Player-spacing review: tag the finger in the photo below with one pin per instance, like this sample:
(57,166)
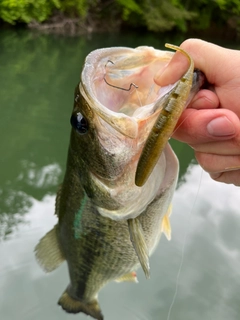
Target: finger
(215,163)
(229,147)
(204,99)
(173,71)
(205,54)
(200,126)
(230,177)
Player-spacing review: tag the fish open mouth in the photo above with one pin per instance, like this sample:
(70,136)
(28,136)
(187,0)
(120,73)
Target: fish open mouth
(131,91)
(123,88)
(119,85)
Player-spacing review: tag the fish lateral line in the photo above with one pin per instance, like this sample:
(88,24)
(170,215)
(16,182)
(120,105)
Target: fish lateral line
(78,217)
(165,123)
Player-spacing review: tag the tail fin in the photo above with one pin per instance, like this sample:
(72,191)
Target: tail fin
(71,305)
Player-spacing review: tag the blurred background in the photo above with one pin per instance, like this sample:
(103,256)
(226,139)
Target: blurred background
(43,45)
(80,16)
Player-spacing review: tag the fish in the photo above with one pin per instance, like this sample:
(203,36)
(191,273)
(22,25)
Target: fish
(111,210)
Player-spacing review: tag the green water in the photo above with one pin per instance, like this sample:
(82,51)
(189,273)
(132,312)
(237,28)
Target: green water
(38,74)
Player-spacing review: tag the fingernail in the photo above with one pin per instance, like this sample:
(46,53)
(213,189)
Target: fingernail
(203,101)
(215,175)
(221,127)
(158,78)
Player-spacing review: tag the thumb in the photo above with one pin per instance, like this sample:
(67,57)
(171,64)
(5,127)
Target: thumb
(206,125)
(208,57)
(214,61)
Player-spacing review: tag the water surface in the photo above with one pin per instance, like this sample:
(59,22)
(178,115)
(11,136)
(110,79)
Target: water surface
(38,76)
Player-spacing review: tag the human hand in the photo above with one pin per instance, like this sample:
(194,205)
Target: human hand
(211,123)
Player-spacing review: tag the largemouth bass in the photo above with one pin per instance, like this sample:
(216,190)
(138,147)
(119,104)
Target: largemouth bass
(108,225)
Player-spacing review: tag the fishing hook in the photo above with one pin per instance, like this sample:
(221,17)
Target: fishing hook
(111,85)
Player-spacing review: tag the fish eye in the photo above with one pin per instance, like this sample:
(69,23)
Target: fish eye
(79,123)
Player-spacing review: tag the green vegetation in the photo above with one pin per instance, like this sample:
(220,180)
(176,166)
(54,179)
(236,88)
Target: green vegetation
(153,15)
(13,11)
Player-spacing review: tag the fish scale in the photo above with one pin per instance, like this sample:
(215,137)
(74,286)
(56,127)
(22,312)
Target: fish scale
(107,225)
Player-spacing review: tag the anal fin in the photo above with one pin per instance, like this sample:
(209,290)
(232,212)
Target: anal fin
(129,277)
(48,252)
(71,305)
(166,226)
(139,244)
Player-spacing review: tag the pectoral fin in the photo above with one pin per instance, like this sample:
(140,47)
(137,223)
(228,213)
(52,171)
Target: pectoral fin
(166,226)
(48,252)
(139,244)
